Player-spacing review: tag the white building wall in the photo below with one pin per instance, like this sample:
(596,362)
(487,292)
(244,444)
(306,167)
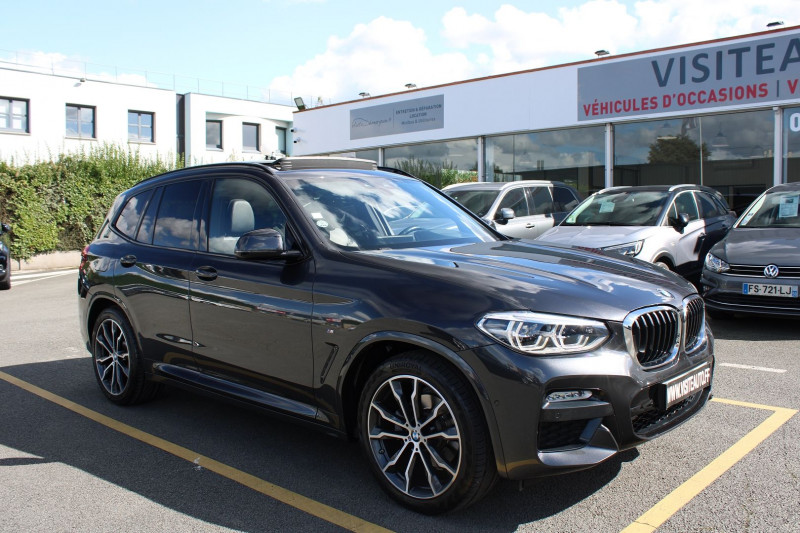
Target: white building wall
(233,113)
(48,97)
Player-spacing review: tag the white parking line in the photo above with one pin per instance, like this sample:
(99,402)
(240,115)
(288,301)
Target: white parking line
(759,368)
(21,279)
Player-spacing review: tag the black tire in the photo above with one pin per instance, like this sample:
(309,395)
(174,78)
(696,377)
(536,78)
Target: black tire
(117,361)
(663,264)
(417,415)
(6,283)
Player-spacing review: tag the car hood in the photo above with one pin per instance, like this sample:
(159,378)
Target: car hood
(760,246)
(596,236)
(519,275)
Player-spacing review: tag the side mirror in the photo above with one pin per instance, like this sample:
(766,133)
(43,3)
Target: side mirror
(506,214)
(4,228)
(263,244)
(681,222)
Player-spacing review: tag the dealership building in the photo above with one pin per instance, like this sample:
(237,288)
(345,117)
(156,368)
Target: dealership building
(723,113)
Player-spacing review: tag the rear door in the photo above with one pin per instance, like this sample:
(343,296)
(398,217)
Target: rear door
(252,318)
(152,273)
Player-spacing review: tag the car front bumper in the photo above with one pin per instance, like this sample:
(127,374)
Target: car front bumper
(627,406)
(724,292)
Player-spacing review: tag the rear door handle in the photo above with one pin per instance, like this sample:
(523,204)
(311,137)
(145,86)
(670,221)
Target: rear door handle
(206,273)
(128,260)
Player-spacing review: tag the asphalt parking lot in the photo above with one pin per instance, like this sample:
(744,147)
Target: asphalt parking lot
(71,461)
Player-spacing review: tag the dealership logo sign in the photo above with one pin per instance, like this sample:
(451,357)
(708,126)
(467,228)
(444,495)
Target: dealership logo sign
(420,114)
(763,70)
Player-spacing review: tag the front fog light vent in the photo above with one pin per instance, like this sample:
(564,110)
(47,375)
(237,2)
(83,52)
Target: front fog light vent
(568,396)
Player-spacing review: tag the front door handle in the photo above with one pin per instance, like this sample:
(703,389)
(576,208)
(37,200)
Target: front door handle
(128,260)
(530,225)
(206,273)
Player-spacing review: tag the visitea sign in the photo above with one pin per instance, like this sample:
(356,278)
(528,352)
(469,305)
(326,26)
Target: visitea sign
(763,70)
(400,117)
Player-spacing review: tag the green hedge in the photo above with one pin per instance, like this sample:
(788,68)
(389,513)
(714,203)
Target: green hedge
(59,205)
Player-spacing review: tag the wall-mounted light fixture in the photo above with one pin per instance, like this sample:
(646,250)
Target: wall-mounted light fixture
(299,103)
(297,140)
(363,94)
(601,53)
(411,85)
(775,24)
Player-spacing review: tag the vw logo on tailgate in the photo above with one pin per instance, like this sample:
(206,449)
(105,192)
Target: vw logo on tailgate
(771,271)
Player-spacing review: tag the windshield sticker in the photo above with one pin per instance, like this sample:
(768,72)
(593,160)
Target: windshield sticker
(606,207)
(788,207)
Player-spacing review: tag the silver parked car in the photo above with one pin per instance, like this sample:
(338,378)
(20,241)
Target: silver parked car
(672,226)
(523,209)
(756,268)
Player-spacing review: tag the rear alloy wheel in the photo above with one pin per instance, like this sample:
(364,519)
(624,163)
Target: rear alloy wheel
(117,362)
(422,432)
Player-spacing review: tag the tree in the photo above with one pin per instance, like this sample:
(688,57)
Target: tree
(679,149)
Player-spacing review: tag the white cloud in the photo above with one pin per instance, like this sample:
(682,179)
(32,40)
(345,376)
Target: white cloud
(382,56)
(379,57)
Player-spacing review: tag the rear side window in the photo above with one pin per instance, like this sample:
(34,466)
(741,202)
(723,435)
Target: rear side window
(128,220)
(174,227)
(541,200)
(563,199)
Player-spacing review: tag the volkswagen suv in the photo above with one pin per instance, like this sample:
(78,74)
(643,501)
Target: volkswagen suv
(369,304)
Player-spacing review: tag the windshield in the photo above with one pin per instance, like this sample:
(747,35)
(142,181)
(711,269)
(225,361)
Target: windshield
(477,201)
(619,208)
(777,209)
(377,212)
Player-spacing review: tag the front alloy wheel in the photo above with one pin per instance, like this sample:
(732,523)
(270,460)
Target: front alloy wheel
(414,437)
(424,435)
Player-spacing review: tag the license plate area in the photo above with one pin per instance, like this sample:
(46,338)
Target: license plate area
(679,388)
(769,289)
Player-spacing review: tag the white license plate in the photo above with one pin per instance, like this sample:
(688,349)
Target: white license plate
(766,289)
(679,388)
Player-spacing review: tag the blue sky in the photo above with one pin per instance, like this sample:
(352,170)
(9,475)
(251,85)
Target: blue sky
(330,50)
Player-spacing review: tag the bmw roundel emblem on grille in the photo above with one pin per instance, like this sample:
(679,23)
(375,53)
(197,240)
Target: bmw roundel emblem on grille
(771,271)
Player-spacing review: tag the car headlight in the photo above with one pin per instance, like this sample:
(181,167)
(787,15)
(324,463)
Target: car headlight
(542,334)
(715,264)
(629,248)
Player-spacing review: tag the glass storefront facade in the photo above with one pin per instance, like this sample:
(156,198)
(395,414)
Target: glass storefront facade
(733,153)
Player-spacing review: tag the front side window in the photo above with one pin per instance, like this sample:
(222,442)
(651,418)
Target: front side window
(174,227)
(140,126)
(239,206)
(251,137)
(13,115)
(81,121)
(214,134)
(515,199)
(684,205)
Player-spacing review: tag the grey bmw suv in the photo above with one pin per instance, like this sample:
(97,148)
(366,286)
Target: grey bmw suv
(370,305)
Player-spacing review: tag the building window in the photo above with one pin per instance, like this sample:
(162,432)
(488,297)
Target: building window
(575,156)
(140,126)
(438,163)
(730,152)
(13,115)
(251,137)
(281,133)
(214,134)
(791,144)
(80,121)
